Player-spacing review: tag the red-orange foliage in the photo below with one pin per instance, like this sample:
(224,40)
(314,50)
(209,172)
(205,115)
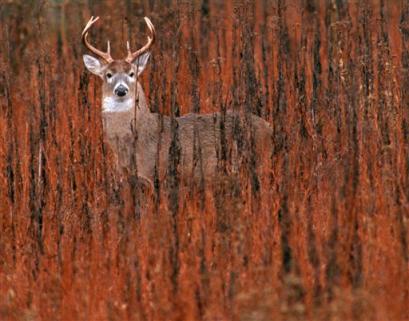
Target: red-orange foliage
(322,236)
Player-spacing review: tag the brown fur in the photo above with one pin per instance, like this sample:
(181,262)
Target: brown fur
(141,140)
(147,137)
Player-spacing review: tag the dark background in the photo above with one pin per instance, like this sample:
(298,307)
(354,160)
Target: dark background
(317,231)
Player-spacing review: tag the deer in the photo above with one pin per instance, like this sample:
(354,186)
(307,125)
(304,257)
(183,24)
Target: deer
(141,140)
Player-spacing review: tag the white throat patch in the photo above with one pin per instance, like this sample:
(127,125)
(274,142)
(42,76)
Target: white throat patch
(112,105)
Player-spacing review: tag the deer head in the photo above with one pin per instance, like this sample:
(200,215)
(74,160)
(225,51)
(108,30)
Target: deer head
(119,77)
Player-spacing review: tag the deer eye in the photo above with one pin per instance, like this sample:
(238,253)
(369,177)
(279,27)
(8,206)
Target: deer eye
(109,75)
(131,74)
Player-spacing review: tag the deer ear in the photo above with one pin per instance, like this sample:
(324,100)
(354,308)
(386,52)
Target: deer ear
(141,62)
(93,64)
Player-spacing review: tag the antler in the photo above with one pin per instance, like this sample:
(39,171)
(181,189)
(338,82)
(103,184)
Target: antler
(151,39)
(104,55)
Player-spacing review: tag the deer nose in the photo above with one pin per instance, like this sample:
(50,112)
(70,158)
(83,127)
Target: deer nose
(121,91)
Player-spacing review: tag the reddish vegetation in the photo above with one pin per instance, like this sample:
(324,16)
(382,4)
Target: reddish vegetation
(318,231)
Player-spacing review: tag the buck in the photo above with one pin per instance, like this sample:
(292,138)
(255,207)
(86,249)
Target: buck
(140,139)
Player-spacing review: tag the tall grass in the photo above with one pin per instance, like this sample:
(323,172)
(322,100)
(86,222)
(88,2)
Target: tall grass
(317,231)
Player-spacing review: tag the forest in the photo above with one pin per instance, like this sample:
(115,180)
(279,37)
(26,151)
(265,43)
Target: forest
(317,230)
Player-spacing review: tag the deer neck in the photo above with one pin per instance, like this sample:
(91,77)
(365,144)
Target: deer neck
(130,129)
(120,117)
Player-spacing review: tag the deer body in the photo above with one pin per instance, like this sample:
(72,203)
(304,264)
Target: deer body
(141,140)
(146,137)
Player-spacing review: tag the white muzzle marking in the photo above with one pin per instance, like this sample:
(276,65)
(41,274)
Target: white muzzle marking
(121,84)
(112,104)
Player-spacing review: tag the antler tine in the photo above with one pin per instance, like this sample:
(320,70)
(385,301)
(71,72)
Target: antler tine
(104,55)
(128,48)
(151,39)
(108,48)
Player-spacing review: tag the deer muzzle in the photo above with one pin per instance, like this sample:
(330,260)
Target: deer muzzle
(121,90)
